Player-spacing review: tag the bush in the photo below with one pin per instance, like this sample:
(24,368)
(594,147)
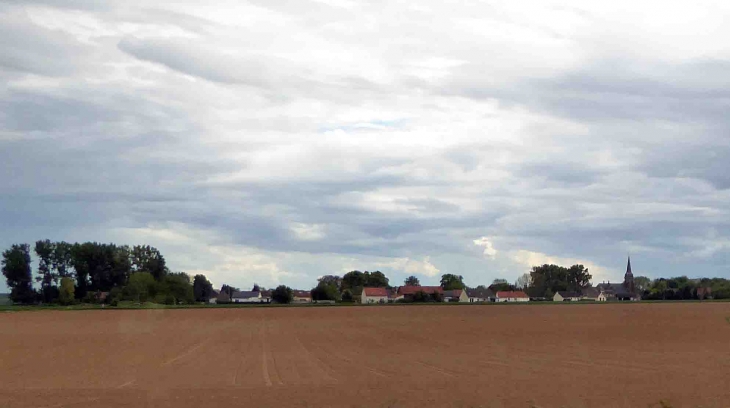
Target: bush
(282,294)
(347,296)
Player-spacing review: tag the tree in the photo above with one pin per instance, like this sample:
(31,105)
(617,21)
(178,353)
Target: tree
(412,281)
(325,291)
(175,288)
(353,279)
(450,281)
(229,290)
(331,280)
(523,282)
(142,286)
(44,250)
(282,294)
(347,296)
(66,293)
(376,279)
(202,288)
(17,271)
(500,284)
(148,259)
(642,283)
(578,278)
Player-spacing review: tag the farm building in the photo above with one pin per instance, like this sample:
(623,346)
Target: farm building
(562,296)
(213,299)
(511,296)
(246,296)
(408,291)
(456,295)
(593,294)
(374,295)
(480,295)
(301,296)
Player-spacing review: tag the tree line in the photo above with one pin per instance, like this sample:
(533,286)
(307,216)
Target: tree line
(82,272)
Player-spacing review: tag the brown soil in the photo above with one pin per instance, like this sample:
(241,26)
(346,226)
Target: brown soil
(608,355)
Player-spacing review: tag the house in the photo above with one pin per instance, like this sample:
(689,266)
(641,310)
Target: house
(265,296)
(301,296)
(246,296)
(394,296)
(563,296)
(223,297)
(511,296)
(704,293)
(408,291)
(591,293)
(213,299)
(456,295)
(374,295)
(621,291)
(480,295)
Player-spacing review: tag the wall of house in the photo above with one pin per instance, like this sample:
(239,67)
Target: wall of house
(557,298)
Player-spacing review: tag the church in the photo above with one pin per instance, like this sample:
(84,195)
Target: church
(621,291)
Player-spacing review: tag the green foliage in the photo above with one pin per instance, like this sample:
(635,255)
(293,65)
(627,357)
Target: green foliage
(325,291)
(356,280)
(141,287)
(547,279)
(99,267)
(500,284)
(66,292)
(176,286)
(334,280)
(451,282)
(347,296)
(17,270)
(145,258)
(412,281)
(202,288)
(282,294)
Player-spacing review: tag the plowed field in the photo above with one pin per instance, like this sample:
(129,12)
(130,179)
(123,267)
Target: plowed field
(608,355)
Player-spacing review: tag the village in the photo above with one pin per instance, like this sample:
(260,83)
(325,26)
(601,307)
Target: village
(414,293)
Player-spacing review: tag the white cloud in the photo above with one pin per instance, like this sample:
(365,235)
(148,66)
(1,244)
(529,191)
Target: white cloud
(489,250)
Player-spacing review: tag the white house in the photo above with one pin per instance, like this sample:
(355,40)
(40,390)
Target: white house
(374,295)
(245,296)
(456,295)
(561,296)
(511,296)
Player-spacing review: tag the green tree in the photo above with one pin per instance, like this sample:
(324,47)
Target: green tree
(202,288)
(412,281)
(44,250)
(282,294)
(578,278)
(66,292)
(353,279)
(148,259)
(18,274)
(376,279)
(142,286)
(175,288)
(325,291)
(450,281)
(642,283)
(347,296)
(331,280)
(500,284)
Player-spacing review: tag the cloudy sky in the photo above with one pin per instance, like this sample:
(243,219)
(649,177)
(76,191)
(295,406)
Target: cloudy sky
(276,141)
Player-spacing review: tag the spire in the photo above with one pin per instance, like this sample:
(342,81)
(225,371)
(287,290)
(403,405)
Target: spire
(628,267)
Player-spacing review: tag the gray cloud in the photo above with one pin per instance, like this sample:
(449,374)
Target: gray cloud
(306,138)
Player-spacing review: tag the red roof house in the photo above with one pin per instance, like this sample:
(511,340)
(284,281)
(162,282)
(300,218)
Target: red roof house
(412,290)
(374,295)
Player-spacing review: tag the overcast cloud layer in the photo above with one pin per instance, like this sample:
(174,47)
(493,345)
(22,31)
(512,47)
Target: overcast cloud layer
(276,141)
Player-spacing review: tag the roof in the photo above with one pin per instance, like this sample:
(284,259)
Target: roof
(613,288)
(301,293)
(565,294)
(511,294)
(412,290)
(245,294)
(223,297)
(591,292)
(453,293)
(375,292)
(480,293)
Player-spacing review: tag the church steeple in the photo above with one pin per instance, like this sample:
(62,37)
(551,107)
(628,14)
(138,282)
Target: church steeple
(629,278)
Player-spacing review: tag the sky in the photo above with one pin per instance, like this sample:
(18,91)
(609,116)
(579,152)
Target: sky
(276,141)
